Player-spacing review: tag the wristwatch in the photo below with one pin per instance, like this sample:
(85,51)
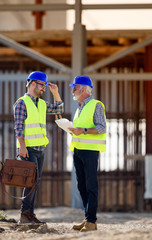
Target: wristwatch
(85,131)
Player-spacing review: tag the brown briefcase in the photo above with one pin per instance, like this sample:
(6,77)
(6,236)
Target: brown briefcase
(19,173)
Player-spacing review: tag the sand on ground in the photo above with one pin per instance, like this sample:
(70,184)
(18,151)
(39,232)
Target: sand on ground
(59,222)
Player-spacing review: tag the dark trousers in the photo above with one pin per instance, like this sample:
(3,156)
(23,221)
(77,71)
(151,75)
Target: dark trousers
(38,158)
(86,164)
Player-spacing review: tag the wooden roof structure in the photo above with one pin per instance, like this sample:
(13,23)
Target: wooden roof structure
(73,52)
(58,45)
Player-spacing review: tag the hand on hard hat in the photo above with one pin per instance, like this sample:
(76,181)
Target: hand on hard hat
(53,88)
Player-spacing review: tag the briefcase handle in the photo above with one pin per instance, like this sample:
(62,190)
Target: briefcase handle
(21,198)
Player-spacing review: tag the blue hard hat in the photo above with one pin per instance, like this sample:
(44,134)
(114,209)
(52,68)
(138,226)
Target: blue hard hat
(38,76)
(82,80)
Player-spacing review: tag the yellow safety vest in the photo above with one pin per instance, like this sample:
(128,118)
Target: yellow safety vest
(35,123)
(96,142)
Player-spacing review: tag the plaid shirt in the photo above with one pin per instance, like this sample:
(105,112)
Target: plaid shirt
(20,114)
(98,118)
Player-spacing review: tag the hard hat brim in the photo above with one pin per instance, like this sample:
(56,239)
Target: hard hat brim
(71,85)
(30,80)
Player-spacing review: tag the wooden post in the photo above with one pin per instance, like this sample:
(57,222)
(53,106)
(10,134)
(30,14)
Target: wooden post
(38,16)
(148,98)
(148,101)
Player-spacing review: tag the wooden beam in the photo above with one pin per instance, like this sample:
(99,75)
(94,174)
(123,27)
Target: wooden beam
(116,56)
(148,100)
(23,36)
(67,51)
(124,41)
(48,51)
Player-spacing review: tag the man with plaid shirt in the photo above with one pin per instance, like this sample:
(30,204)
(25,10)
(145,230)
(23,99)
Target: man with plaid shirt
(30,127)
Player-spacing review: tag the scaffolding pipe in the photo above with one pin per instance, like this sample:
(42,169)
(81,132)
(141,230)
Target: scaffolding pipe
(142,76)
(62,7)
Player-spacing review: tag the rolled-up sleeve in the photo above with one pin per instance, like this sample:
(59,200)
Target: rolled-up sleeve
(55,108)
(99,119)
(19,118)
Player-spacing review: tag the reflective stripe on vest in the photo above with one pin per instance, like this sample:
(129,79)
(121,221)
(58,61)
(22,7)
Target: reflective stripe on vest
(34,125)
(33,136)
(95,141)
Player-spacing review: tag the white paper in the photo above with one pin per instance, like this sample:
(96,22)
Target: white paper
(64,124)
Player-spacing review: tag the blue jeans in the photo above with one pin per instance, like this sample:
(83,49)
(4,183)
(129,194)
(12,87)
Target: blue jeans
(38,158)
(86,164)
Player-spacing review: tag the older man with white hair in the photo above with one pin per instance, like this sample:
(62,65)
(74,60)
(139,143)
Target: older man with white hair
(88,140)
